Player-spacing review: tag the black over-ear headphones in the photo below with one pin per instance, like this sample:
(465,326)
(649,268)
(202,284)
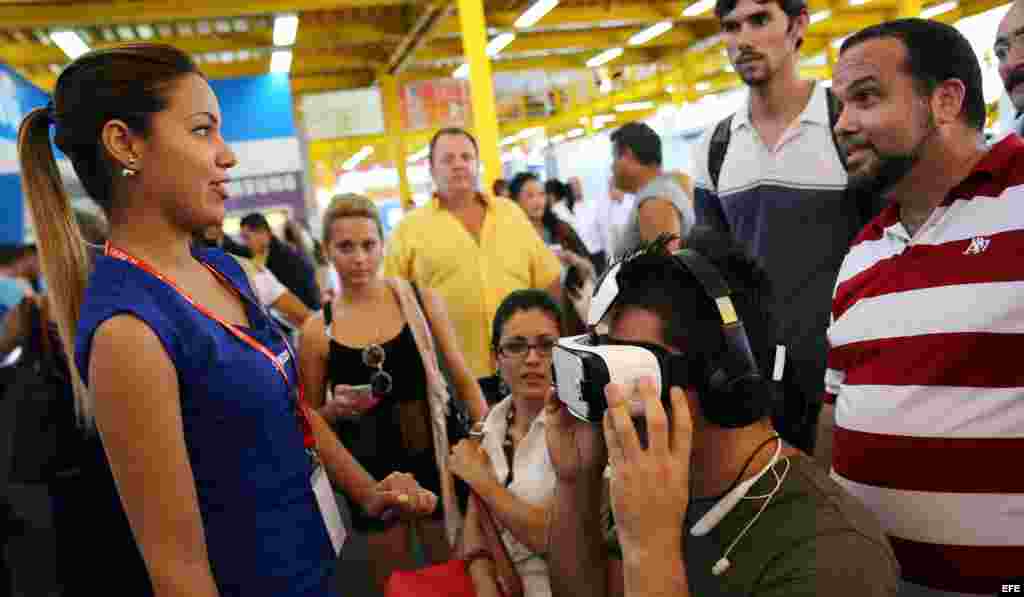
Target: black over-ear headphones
(733,392)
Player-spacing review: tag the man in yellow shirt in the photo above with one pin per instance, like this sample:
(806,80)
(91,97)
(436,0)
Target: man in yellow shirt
(471,248)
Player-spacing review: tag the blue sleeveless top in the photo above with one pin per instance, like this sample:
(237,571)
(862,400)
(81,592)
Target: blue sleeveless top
(265,535)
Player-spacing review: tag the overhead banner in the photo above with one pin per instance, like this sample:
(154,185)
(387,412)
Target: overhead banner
(343,114)
(436,104)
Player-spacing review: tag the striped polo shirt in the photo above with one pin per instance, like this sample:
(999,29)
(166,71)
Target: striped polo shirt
(926,370)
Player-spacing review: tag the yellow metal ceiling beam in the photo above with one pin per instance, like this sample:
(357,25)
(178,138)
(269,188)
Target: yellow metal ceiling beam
(310,37)
(321,83)
(548,63)
(572,62)
(597,39)
(58,14)
(847,22)
(342,148)
(634,12)
(311,61)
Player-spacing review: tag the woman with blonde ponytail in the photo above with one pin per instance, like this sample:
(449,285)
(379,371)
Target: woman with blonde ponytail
(212,462)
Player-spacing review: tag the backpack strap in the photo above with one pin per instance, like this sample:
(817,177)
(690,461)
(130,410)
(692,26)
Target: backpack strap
(716,151)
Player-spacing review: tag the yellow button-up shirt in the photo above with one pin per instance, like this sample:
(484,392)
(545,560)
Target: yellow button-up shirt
(432,248)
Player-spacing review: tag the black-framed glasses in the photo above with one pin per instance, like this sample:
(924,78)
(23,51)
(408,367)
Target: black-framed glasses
(519,347)
(381,382)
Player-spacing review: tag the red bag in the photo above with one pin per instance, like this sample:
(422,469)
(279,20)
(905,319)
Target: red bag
(450,579)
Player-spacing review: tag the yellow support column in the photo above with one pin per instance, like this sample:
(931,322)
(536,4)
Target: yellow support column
(390,88)
(906,9)
(485,113)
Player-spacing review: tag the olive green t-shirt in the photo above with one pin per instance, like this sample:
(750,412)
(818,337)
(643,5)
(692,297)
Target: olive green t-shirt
(813,539)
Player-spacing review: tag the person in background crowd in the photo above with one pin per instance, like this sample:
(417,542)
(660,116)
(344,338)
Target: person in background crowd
(267,287)
(1008,50)
(500,188)
(81,491)
(706,498)
(14,282)
(324,270)
(510,469)
(396,425)
(661,205)
(561,216)
(287,266)
(299,241)
(471,248)
(561,199)
(925,338)
(526,190)
(780,189)
(214,236)
(189,385)
(613,217)
(586,224)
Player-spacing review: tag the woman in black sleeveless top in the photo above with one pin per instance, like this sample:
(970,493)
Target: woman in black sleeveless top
(362,338)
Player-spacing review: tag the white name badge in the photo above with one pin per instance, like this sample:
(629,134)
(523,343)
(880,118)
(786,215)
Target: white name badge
(329,509)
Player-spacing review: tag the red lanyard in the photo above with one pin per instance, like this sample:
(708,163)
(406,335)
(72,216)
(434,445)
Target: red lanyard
(300,406)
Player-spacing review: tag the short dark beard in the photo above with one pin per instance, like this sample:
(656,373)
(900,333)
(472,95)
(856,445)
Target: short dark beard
(892,168)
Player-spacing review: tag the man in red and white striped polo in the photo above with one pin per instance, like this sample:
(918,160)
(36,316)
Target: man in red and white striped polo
(926,358)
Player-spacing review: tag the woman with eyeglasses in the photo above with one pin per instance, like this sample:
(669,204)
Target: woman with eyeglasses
(370,364)
(509,468)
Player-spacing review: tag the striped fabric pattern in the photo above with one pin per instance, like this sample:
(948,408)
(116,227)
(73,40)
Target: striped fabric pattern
(926,370)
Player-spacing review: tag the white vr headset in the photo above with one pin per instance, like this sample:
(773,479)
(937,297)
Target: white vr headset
(584,365)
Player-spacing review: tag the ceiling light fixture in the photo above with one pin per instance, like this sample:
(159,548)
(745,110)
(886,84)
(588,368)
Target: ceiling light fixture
(70,43)
(634,106)
(650,33)
(286,27)
(604,57)
(499,43)
(535,13)
(358,158)
(281,61)
(934,11)
(419,155)
(698,8)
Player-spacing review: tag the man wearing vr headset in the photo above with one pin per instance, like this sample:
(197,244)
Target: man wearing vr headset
(706,499)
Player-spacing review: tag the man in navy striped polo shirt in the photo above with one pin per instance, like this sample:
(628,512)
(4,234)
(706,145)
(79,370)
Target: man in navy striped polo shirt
(779,187)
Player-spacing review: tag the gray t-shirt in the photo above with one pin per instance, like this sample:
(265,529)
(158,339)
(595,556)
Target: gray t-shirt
(664,187)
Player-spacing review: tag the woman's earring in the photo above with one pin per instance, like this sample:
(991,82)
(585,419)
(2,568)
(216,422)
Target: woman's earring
(130,169)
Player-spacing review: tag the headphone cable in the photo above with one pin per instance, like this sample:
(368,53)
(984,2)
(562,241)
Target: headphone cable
(746,465)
